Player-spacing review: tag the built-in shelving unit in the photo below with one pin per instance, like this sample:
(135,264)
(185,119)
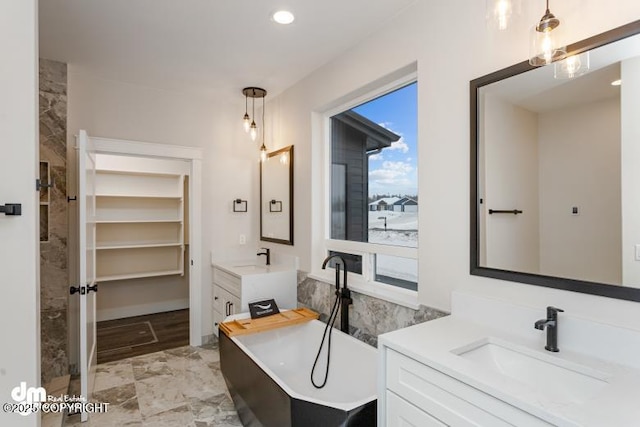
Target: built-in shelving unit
(139,225)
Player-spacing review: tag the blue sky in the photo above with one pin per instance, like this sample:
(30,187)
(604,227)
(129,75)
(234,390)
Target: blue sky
(395,169)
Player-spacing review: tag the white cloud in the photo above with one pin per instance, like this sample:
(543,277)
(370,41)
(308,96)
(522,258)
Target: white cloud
(399,145)
(377,156)
(392,173)
(398,166)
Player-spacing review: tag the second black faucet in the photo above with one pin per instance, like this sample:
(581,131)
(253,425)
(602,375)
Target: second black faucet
(267,254)
(551,323)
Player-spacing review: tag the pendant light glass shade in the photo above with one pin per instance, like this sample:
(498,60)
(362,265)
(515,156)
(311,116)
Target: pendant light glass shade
(500,13)
(253,131)
(246,122)
(263,153)
(572,66)
(546,38)
(284,158)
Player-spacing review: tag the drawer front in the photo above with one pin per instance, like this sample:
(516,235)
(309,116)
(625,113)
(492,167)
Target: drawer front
(227,281)
(449,400)
(401,413)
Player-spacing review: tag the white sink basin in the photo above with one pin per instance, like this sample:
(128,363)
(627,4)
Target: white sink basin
(555,378)
(250,268)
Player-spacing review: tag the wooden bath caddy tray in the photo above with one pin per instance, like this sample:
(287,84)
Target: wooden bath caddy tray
(252,326)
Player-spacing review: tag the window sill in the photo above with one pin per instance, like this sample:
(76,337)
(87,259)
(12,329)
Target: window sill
(401,297)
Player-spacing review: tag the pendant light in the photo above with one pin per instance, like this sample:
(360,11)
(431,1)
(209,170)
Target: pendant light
(500,13)
(249,123)
(545,46)
(572,66)
(253,129)
(263,148)
(246,120)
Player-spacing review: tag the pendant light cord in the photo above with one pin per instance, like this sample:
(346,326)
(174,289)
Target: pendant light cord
(253,106)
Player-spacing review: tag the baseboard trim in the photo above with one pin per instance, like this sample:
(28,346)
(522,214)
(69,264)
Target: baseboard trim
(142,309)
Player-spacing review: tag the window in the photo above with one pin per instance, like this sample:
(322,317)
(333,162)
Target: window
(374,188)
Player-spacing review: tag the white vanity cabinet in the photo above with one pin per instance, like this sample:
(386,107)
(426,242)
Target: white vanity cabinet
(486,365)
(235,285)
(418,395)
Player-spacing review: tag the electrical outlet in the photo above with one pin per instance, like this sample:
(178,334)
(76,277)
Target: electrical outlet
(243,239)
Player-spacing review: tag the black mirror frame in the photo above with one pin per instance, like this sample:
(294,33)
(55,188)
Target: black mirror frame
(600,289)
(289,241)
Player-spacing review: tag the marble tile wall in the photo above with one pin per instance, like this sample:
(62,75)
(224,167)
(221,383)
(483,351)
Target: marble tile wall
(368,316)
(54,280)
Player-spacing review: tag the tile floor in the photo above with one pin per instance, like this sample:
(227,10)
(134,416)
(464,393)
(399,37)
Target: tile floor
(181,387)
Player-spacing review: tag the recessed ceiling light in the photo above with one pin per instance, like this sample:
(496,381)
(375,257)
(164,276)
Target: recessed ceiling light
(616,82)
(283,17)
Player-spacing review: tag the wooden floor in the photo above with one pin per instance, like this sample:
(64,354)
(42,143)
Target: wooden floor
(122,338)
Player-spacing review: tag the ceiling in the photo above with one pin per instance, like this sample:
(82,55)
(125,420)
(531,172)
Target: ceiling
(210,47)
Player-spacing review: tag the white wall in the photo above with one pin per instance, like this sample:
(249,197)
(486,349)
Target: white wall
(230,163)
(19,251)
(511,182)
(630,100)
(452,46)
(580,166)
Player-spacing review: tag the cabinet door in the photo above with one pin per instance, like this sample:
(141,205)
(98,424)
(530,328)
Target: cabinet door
(217,319)
(217,299)
(401,413)
(230,304)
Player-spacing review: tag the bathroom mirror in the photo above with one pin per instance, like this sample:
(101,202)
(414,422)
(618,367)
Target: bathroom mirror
(276,197)
(554,167)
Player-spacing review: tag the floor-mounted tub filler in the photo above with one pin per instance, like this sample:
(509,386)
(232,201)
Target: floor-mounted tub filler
(268,376)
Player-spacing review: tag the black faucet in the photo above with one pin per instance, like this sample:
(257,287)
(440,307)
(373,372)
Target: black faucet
(345,294)
(266,253)
(551,323)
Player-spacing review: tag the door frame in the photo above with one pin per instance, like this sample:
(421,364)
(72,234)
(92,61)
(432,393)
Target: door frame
(192,155)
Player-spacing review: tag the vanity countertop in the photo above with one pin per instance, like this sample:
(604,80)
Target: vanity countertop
(249,267)
(438,344)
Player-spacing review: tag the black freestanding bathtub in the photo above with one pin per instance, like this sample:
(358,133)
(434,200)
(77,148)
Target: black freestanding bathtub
(268,376)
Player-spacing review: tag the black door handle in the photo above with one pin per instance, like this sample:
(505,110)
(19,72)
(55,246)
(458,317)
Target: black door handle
(12,209)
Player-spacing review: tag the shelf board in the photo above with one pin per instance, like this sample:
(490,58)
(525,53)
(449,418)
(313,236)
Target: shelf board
(138,246)
(139,275)
(139,196)
(138,173)
(136,221)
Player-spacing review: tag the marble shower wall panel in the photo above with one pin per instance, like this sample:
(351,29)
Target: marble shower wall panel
(54,282)
(368,316)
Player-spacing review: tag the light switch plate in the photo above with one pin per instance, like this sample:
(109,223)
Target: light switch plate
(637,252)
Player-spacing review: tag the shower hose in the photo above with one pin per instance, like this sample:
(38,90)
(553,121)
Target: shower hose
(327,330)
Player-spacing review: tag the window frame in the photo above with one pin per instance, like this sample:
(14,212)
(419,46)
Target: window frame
(364,283)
